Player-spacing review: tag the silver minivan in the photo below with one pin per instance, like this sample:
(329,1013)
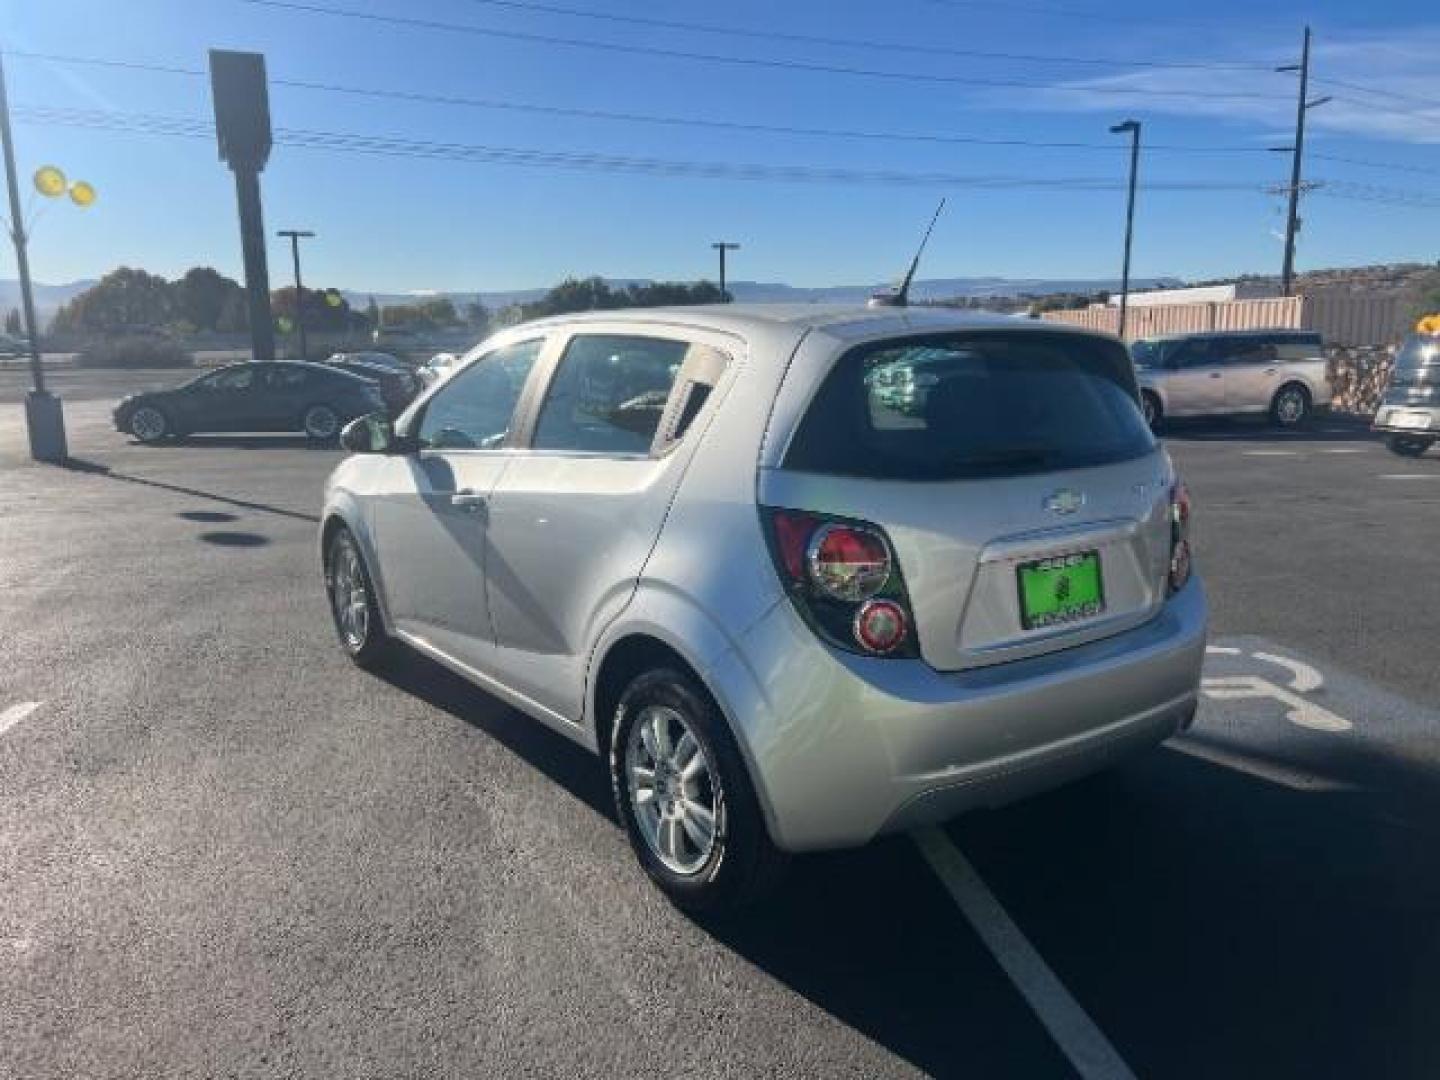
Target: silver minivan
(1275,373)
(800,576)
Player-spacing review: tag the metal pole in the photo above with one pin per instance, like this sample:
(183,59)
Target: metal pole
(1292,224)
(257,275)
(1133,127)
(295,236)
(17,234)
(722,246)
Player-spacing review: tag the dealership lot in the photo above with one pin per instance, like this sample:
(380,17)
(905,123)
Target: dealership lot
(223,849)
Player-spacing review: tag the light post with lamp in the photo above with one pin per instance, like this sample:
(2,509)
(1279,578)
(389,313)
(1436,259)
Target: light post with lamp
(44,415)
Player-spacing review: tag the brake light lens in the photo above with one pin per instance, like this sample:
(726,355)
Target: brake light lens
(847,562)
(843,578)
(1180,561)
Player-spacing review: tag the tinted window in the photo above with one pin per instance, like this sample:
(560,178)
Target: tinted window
(979,405)
(1304,347)
(1191,353)
(608,394)
(1418,351)
(475,408)
(235,378)
(285,378)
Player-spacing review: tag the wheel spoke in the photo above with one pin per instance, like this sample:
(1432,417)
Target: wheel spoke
(670,838)
(699,823)
(686,749)
(647,738)
(660,733)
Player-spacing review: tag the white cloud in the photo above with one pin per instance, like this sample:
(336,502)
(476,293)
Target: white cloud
(1385,73)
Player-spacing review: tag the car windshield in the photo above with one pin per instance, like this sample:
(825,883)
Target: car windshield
(1419,350)
(961,405)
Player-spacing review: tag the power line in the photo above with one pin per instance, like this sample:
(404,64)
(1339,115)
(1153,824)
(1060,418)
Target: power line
(1391,166)
(391,146)
(1394,95)
(721,58)
(650,118)
(860,43)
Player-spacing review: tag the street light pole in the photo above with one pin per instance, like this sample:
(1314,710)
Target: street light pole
(295,236)
(44,415)
(1297,154)
(1133,128)
(722,247)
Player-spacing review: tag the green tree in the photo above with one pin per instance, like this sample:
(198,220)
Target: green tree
(12,322)
(321,310)
(201,295)
(477,317)
(124,299)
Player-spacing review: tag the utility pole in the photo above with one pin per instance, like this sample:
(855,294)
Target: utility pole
(723,246)
(295,236)
(1132,127)
(44,417)
(1297,151)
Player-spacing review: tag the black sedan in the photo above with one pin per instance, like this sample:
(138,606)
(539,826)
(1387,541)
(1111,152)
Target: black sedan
(310,398)
(397,385)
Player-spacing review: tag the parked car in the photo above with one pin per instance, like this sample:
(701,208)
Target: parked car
(1279,373)
(695,542)
(13,346)
(310,398)
(398,385)
(378,359)
(1409,413)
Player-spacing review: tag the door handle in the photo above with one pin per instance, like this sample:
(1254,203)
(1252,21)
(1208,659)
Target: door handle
(1269,371)
(471,501)
(1215,374)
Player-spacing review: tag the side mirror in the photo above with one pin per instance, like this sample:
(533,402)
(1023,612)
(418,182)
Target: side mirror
(372,434)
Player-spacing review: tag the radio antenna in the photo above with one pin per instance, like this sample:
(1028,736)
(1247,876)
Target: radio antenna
(901,297)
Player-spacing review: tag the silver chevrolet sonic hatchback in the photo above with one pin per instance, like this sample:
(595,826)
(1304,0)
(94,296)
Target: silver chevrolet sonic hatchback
(802,576)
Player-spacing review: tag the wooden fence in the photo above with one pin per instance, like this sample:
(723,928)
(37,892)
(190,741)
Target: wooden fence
(1342,318)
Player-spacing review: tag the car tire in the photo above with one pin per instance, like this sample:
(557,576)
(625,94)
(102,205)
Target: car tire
(1290,407)
(696,773)
(149,424)
(354,607)
(1411,446)
(1151,409)
(321,423)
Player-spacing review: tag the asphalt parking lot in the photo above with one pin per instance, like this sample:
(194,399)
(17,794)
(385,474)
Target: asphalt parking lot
(226,851)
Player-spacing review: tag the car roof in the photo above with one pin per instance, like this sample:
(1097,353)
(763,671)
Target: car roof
(840,320)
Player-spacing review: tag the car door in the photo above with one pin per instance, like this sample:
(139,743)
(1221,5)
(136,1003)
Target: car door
(283,394)
(1195,380)
(1251,372)
(575,517)
(224,401)
(430,517)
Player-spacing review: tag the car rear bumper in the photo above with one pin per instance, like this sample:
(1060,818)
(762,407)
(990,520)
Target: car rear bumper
(844,748)
(1385,415)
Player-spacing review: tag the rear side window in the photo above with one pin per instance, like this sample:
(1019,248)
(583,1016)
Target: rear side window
(285,378)
(608,394)
(973,405)
(1300,347)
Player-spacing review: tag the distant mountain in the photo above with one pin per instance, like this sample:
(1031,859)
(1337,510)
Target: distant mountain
(48,298)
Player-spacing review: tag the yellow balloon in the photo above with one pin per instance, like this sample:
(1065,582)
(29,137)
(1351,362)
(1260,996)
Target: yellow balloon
(49,181)
(82,193)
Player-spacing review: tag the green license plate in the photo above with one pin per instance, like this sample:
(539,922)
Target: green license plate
(1060,589)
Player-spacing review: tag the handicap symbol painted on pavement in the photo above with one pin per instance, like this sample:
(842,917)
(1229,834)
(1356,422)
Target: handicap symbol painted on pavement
(1299,679)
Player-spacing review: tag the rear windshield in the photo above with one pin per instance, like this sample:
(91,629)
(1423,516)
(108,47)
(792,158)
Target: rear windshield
(962,405)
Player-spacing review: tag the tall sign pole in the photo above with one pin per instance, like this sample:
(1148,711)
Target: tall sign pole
(1132,127)
(722,247)
(242,129)
(44,416)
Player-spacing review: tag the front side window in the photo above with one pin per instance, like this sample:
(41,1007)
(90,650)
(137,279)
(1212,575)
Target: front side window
(958,406)
(1195,353)
(475,409)
(236,378)
(608,394)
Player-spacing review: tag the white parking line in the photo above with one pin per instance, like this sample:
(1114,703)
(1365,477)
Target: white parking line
(1295,779)
(15,713)
(1272,453)
(1081,1041)
(1343,450)
(1409,476)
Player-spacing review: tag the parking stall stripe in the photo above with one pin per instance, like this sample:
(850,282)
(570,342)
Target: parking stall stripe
(15,713)
(1072,1029)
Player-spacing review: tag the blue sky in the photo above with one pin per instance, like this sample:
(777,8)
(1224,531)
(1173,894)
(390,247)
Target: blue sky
(396,223)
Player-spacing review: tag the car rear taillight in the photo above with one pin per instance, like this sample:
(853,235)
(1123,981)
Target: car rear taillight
(843,578)
(1180,510)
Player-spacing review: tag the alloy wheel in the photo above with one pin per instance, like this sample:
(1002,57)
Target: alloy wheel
(147,424)
(321,422)
(672,789)
(1290,407)
(348,596)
